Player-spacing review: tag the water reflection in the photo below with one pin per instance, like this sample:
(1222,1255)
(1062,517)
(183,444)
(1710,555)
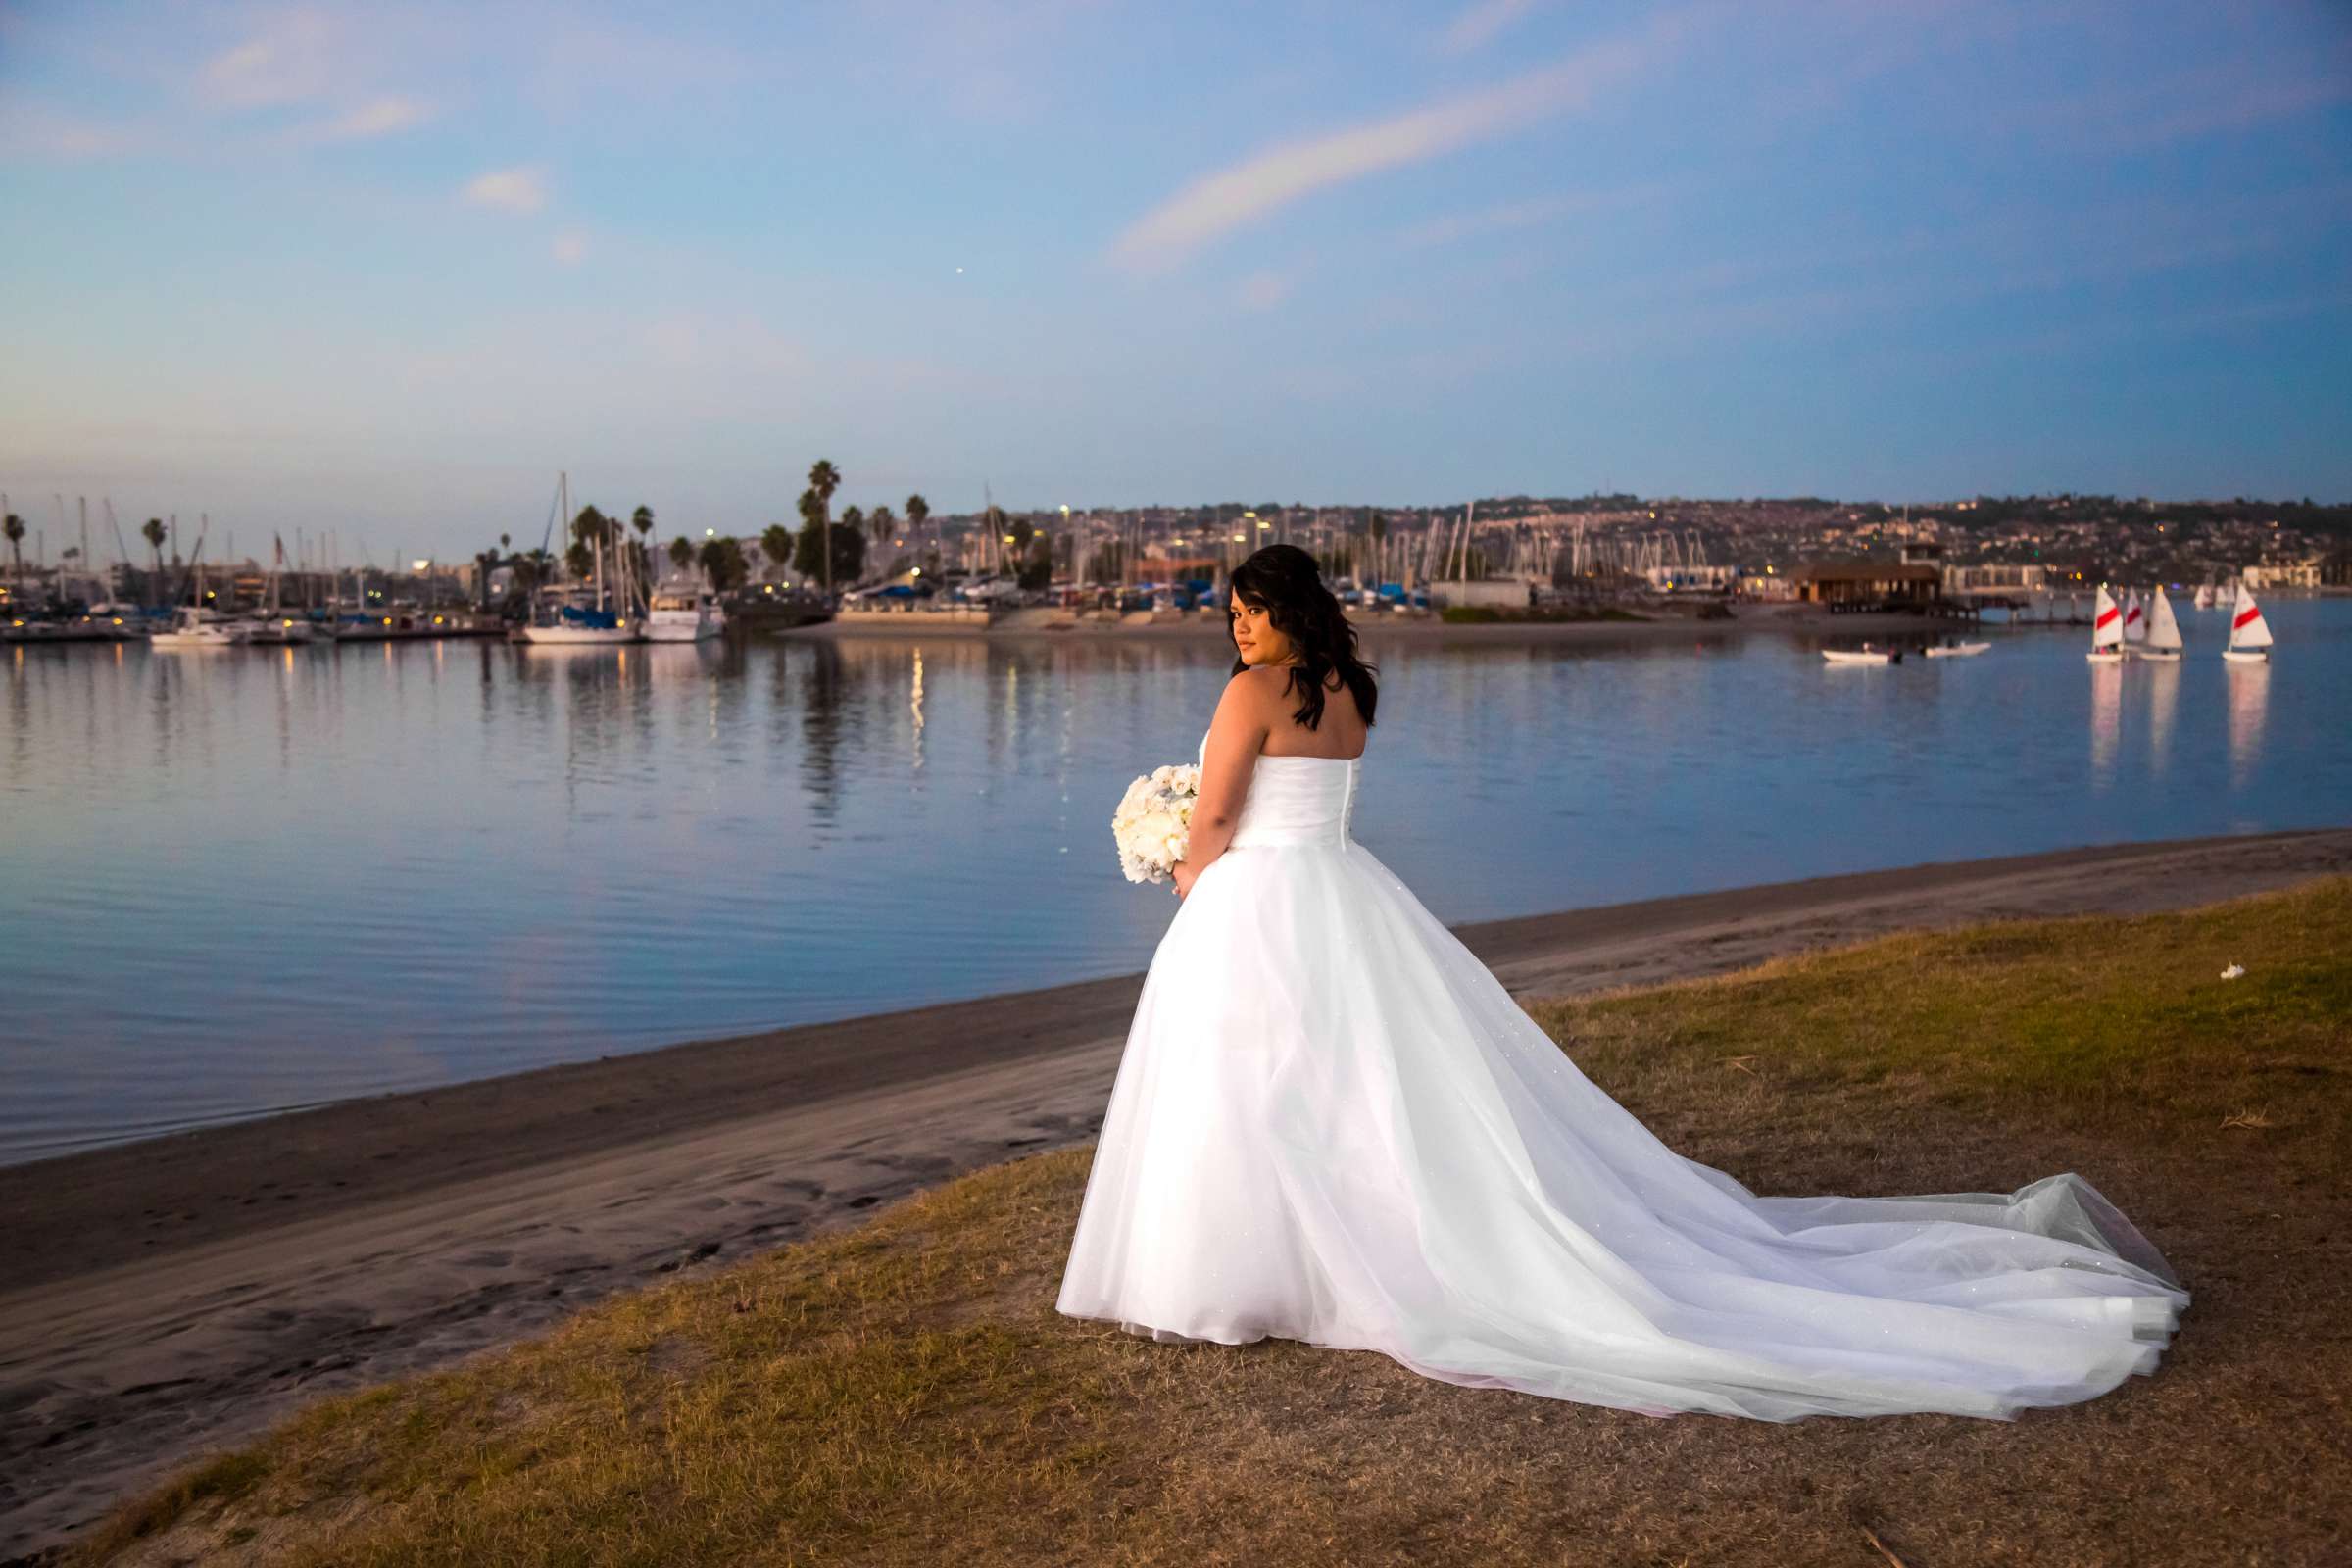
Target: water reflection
(2249,704)
(2164,694)
(418,862)
(2106,720)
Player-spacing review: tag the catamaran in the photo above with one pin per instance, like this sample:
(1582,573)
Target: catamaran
(2249,633)
(2164,631)
(2106,628)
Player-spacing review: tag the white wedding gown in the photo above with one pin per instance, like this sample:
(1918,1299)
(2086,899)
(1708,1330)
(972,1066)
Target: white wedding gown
(1333,1124)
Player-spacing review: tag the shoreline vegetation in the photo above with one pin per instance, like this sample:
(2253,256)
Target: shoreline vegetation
(904,1391)
(174,1295)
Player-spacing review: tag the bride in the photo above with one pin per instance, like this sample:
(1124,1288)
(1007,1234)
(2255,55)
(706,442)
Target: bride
(1333,1124)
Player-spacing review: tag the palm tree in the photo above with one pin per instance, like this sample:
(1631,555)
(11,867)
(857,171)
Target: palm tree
(883,526)
(14,527)
(682,551)
(809,552)
(723,562)
(824,481)
(918,512)
(775,540)
(154,533)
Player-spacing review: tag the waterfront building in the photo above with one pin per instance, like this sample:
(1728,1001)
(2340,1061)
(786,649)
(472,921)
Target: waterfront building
(1895,585)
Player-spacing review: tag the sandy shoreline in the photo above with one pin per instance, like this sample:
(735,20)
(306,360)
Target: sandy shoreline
(167,1296)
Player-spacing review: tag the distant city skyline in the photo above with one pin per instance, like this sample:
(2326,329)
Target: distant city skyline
(387,270)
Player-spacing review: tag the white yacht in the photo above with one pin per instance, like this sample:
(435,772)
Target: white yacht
(193,626)
(684,616)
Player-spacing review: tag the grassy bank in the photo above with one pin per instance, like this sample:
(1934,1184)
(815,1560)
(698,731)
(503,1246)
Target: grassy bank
(904,1392)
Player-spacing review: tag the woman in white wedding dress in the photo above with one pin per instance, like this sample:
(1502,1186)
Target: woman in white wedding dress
(1333,1124)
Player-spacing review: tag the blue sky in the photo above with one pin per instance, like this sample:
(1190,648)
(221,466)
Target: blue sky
(387,268)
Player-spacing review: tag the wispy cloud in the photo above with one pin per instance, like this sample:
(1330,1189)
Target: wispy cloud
(379,116)
(1476,27)
(512,190)
(1217,204)
(283,62)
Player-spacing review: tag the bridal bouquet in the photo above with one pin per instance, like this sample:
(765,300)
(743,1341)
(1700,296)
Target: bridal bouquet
(1153,822)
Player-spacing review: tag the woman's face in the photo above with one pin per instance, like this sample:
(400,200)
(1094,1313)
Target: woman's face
(1254,636)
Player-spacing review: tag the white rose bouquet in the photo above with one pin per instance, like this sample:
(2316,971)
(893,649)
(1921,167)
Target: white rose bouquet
(1153,826)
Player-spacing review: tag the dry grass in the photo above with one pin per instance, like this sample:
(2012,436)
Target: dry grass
(905,1393)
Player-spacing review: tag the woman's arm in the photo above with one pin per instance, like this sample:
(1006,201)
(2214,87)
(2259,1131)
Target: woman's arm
(1235,733)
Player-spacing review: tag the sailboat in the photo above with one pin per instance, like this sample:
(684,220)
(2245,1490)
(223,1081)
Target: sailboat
(2249,633)
(274,626)
(606,621)
(2106,628)
(2164,631)
(2205,596)
(2135,619)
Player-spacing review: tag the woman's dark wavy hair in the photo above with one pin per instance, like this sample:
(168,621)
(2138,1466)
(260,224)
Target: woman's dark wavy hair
(1284,580)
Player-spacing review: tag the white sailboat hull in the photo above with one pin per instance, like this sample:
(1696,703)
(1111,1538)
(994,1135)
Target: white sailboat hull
(210,637)
(581,636)
(2247,655)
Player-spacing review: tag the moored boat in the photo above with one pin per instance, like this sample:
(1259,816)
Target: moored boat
(193,626)
(684,616)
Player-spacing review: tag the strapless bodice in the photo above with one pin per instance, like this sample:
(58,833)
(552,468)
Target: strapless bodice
(1297,800)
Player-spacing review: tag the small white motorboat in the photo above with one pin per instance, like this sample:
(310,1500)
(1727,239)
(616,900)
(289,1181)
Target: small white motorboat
(1863,656)
(2249,633)
(1958,649)
(195,627)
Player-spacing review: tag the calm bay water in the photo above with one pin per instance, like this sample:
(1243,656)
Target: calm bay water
(237,881)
